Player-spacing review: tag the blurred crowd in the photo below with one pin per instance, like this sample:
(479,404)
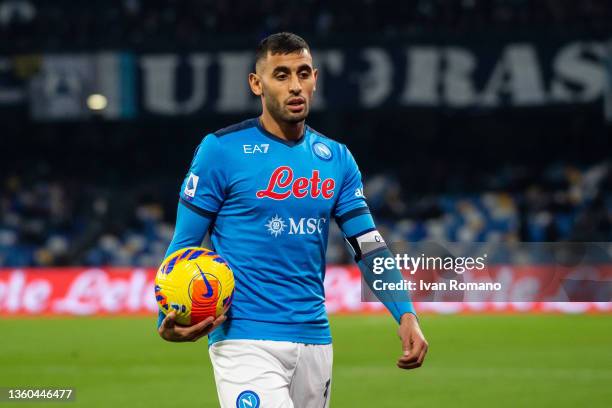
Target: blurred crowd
(46,223)
(51,219)
(36,24)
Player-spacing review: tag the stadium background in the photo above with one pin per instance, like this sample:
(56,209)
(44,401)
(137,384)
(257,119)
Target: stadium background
(471,120)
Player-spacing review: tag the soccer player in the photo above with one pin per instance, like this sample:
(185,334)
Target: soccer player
(267,189)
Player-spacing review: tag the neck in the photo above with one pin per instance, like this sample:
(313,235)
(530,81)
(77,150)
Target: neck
(284,130)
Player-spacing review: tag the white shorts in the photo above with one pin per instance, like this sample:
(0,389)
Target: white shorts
(272,374)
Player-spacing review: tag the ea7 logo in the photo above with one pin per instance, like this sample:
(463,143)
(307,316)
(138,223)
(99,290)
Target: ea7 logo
(256,148)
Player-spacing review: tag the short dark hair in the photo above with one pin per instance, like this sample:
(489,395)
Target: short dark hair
(280,43)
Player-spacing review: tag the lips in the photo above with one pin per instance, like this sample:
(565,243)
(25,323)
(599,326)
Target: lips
(296,104)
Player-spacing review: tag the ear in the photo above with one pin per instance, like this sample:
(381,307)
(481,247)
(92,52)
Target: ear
(255,84)
(315,74)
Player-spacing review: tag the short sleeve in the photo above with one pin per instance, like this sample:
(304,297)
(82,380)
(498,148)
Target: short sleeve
(203,189)
(351,200)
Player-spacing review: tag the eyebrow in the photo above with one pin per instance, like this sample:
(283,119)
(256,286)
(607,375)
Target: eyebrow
(286,70)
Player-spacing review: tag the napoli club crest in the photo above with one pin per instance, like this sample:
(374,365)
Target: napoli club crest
(247,399)
(322,151)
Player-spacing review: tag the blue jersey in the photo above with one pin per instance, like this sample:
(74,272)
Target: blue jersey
(268,204)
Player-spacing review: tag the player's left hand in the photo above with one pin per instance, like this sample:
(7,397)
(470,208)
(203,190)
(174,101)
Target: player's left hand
(413,342)
(169,330)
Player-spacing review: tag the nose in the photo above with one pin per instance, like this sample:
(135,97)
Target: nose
(294,86)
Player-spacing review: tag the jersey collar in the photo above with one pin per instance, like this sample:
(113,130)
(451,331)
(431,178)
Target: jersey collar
(290,143)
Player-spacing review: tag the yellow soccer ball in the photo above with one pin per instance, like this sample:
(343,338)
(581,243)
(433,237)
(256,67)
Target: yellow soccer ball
(196,283)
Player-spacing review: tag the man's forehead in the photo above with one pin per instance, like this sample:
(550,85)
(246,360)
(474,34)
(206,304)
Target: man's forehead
(293,59)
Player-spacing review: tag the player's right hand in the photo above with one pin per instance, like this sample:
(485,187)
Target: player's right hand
(170,331)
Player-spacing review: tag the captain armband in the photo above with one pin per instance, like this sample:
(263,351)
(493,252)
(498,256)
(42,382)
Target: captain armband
(366,244)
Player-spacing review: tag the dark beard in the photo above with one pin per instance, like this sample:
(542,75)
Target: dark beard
(279,114)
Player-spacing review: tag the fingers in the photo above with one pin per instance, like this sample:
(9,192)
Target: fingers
(415,356)
(411,350)
(210,327)
(202,325)
(218,322)
(167,323)
(423,354)
(171,331)
(196,331)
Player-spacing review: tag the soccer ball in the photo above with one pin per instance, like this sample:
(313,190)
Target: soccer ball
(196,283)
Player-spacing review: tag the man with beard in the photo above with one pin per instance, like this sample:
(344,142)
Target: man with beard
(266,189)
